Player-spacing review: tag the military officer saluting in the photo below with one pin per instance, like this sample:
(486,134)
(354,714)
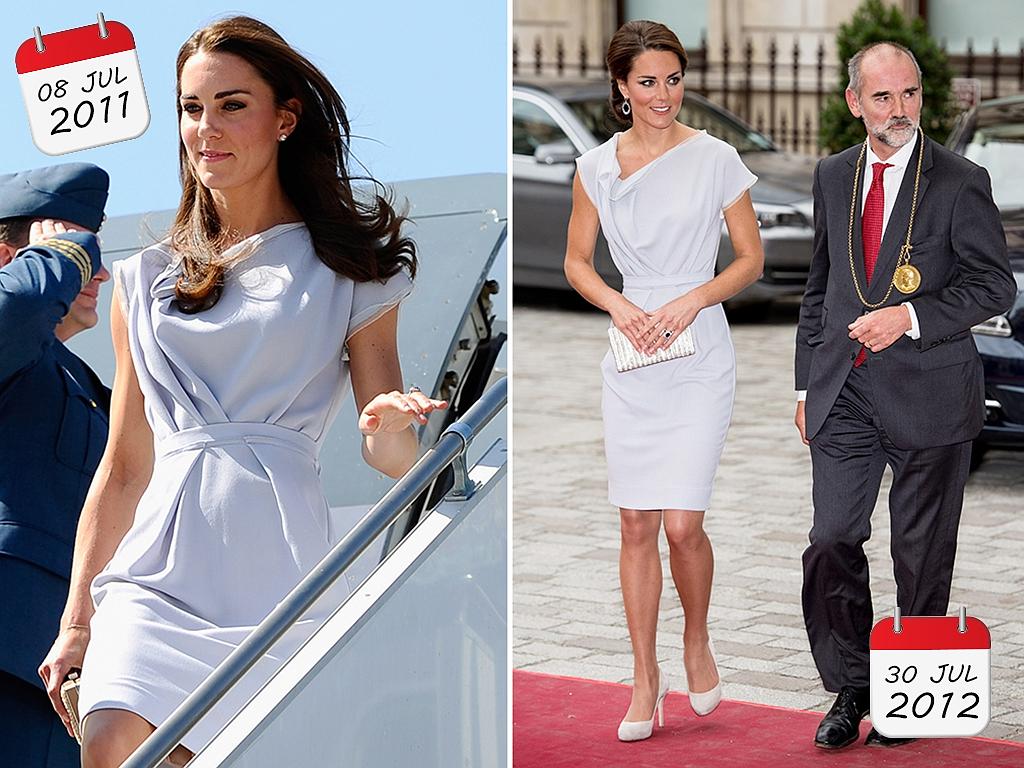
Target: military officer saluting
(53,421)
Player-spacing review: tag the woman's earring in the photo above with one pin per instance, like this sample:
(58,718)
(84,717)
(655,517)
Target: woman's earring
(282,137)
(625,107)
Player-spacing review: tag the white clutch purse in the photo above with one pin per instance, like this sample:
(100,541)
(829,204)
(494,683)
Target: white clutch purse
(627,357)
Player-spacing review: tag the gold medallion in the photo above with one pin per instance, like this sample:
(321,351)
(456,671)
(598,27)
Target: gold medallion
(907,279)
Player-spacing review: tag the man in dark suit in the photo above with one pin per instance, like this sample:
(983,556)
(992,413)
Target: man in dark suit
(885,358)
(53,416)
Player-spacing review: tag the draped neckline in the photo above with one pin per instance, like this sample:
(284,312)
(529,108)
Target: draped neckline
(651,163)
(162,287)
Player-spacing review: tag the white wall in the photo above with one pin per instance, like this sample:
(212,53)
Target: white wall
(981,20)
(687,18)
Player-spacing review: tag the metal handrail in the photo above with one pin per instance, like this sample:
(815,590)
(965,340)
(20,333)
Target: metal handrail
(451,445)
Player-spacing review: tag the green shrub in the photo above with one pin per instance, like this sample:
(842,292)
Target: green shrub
(871,22)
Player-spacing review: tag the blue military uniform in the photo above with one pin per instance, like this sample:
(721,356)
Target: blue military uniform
(53,417)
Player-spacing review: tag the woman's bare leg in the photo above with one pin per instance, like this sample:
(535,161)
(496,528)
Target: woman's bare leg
(109,736)
(640,575)
(693,567)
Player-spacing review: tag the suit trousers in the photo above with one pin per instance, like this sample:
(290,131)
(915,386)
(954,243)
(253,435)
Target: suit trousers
(848,457)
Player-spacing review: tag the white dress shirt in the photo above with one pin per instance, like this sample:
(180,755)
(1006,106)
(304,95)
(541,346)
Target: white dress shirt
(892,179)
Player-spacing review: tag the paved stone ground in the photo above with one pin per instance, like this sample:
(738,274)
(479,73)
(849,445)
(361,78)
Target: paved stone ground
(567,610)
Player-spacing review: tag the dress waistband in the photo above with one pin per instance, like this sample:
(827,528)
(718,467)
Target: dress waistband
(232,432)
(665,281)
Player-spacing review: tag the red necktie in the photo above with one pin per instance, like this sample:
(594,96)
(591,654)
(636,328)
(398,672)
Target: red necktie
(871,231)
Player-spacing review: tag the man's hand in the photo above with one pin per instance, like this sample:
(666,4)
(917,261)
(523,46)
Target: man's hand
(880,329)
(801,421)
(45,229)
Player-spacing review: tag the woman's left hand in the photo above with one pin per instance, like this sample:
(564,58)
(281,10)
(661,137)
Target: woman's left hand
(395,411)
(674,317)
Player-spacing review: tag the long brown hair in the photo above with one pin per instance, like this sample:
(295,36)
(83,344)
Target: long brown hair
(628,42)
(357,237)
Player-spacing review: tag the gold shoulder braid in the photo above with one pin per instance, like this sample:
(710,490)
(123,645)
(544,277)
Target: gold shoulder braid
(905,277)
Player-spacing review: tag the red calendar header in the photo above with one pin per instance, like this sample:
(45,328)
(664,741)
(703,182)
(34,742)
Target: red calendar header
(73,45)
(923,633)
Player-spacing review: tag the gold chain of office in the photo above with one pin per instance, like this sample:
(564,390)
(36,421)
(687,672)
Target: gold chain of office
(905,277)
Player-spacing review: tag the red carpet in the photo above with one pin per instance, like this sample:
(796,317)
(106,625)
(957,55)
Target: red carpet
(565,722)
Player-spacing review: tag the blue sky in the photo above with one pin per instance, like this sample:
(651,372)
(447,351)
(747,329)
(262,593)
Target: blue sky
(425,81)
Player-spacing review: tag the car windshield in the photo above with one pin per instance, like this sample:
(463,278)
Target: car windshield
(595,115)
(998,145)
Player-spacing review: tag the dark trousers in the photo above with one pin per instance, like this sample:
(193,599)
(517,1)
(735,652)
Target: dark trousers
(848,457)
(31,733)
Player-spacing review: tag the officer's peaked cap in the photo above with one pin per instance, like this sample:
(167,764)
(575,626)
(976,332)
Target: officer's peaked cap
(75,192)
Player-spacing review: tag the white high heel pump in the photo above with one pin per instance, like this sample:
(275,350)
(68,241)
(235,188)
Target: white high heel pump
(706,702)
(642,729)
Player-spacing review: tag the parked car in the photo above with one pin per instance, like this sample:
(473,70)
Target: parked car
(992,135)
(554,123)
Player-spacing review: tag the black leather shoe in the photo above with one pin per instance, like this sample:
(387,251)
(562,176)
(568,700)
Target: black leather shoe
(875,739)
(841,726)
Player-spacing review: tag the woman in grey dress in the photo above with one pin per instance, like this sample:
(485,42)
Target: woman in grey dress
(235,340)
(659,191)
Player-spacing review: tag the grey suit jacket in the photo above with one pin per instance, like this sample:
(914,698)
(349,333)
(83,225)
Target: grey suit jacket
(929,391)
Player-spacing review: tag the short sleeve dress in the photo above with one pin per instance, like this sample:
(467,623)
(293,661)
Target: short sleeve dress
(665,424)
(239,399)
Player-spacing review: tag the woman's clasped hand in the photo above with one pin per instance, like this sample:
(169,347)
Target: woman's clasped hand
(650,332)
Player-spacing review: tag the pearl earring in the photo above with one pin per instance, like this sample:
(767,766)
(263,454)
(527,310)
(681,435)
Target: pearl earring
(282,137)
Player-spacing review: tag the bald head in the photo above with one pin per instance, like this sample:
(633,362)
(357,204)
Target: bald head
(878,56)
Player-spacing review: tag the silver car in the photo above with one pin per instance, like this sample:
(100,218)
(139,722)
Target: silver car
(554,123)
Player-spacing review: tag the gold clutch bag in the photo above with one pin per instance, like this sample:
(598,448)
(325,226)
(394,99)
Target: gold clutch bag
(69,695)
(627,357)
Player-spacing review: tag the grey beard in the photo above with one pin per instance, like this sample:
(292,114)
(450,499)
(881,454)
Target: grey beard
(893,137)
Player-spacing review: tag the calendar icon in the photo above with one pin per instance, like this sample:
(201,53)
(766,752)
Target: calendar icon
(930,676)
(82,87)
